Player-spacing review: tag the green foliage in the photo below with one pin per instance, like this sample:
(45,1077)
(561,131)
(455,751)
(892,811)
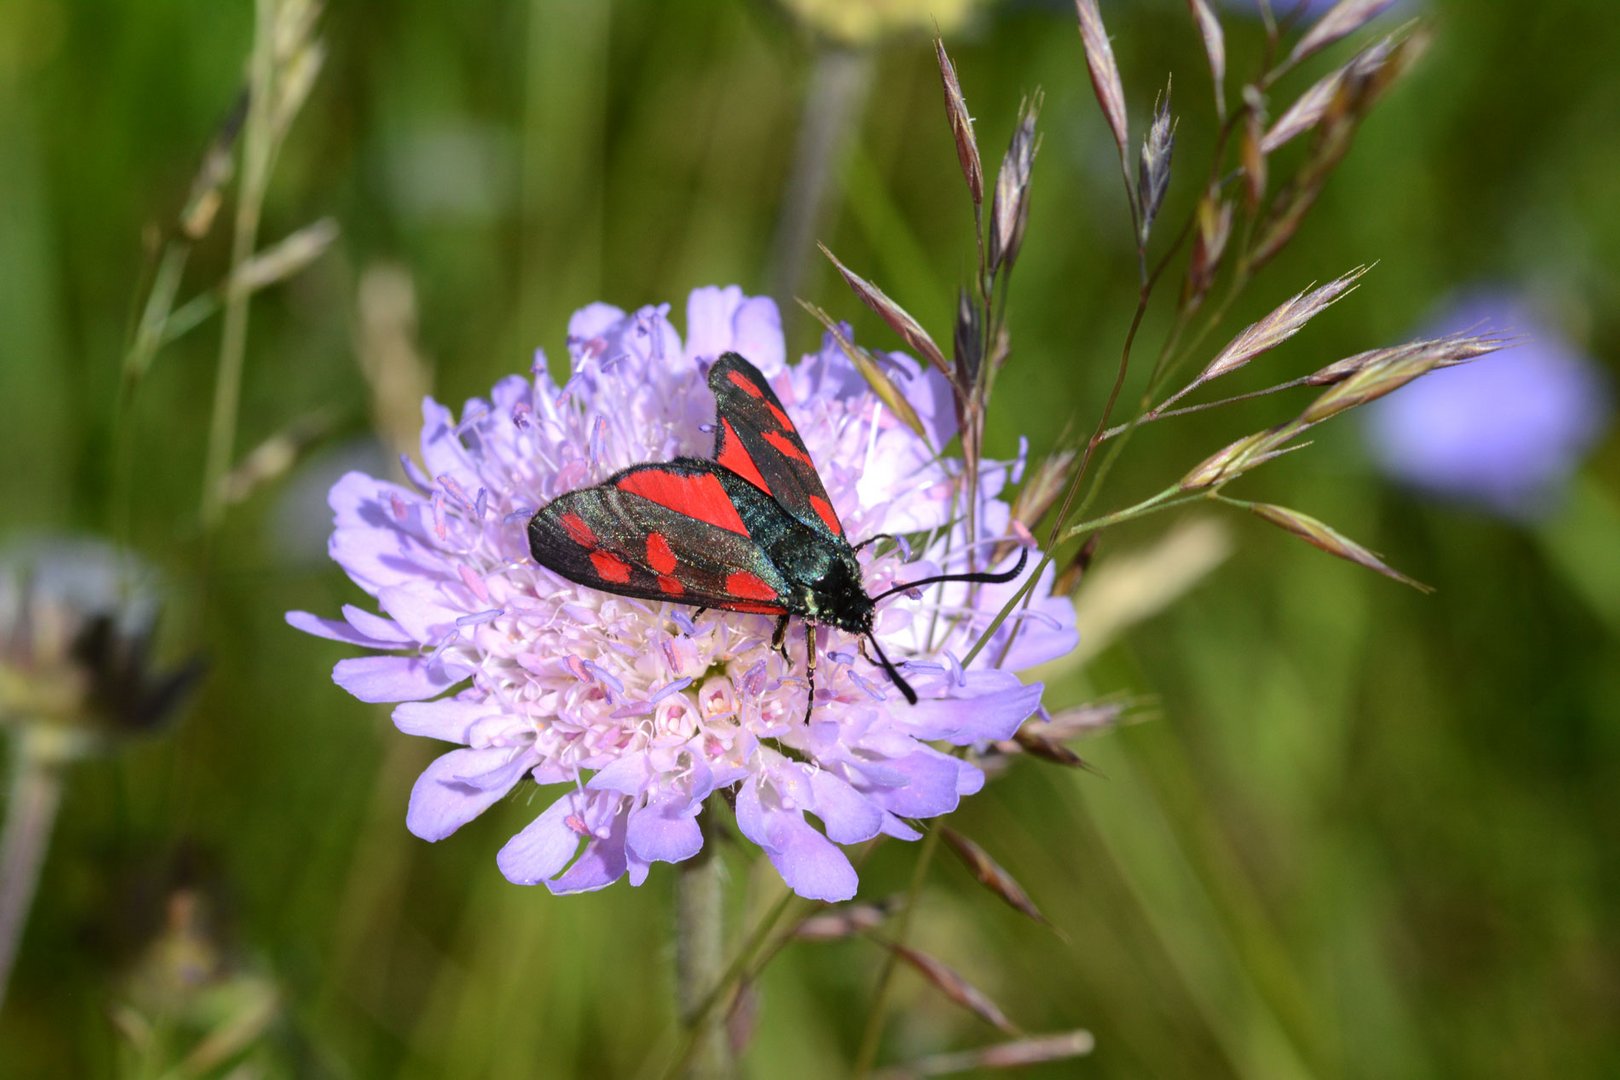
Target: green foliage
(1367,833)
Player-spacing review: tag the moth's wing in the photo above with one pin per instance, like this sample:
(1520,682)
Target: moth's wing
(665,531)
(755,438)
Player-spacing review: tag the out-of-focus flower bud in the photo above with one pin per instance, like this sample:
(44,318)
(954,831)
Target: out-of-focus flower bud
(1504,432)
(77,619)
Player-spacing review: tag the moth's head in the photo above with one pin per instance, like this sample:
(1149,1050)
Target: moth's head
(836,595)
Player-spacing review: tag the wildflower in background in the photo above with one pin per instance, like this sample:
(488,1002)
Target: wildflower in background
(855,23)
(641,710)
(1504,432)
(1301,9)
(77,618)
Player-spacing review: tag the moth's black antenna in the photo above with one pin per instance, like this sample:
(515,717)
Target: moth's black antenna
(893,673)
(874,538)
(985,577)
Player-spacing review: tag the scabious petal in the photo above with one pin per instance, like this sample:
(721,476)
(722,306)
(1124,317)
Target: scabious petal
(449,719)
(392,678)
(424,608)
(665,830)
(928,784)
(720,320)
(371,536)
(989,705)
(334,630)
(848,816)
(811,864)
(644,709)
(603,861)
(457,787)
(543,847)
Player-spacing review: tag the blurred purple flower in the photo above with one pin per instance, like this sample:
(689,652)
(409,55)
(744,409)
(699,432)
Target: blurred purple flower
(1309,10)
(1503,432)
(639,708)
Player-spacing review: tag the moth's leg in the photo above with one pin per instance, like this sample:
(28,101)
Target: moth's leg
(698,614)
(810,666)
(779,637)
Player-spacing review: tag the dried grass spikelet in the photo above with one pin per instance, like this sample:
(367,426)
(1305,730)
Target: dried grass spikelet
(1012,1054)
(1352,99)
(398,375)
(870,369)
(899,319)
(1387,370)
(1209,31)
(1104,72)
(1214,228)
(1341,20)
(1153,170)
(956,111)
(1130,588)
(1009,207)
(1280,324)
(1330,540)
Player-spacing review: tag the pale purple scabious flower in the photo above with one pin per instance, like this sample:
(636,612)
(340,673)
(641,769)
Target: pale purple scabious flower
(1503,432)
(639,710)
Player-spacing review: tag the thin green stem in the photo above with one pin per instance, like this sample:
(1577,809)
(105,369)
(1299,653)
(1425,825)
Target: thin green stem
(257,152)
(872,1037)
(1164,500)
(149,336)
(840,82)
(1161,413)
(727,983)
(36,793)
(699,958)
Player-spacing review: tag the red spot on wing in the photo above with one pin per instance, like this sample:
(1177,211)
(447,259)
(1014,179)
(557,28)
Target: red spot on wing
(787,447)
(754,609)
(741,583)
(745,384)
(659,555)
(611,567)
(579,532)
(781,417)
(734,457)
(670,586)
(825,512)
(698,495)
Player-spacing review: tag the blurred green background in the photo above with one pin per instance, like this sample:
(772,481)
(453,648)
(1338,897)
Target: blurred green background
(1363,832)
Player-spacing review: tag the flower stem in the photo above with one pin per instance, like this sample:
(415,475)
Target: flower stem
(839,84)
(867,1056)
(36,791)
(258,149)
(700,960)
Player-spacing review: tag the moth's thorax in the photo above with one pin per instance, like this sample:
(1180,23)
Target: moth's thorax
(830,590)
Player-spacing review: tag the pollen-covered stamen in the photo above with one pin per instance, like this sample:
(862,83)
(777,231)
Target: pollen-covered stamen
(872,691)
(414,474)
(440,528)
(453,488)
(669,688)
(597,436)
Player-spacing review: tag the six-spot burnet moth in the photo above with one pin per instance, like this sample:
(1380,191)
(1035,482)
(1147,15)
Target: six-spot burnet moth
(751,530)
